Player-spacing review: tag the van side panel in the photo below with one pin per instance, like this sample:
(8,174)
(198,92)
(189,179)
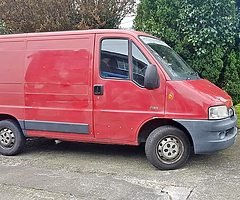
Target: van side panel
(58,90)
(12,76)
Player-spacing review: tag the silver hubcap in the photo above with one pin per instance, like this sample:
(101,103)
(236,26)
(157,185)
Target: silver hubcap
(7,138)
(170,149)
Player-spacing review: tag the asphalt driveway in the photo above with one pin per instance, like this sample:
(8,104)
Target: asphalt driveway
(87,171)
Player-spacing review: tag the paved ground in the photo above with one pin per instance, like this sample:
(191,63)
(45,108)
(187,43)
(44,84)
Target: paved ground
(84,171)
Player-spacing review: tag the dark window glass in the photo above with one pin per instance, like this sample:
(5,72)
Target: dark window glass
(140,64)
(114,59)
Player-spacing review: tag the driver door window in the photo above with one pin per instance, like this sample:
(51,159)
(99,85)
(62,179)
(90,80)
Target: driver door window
(114,59)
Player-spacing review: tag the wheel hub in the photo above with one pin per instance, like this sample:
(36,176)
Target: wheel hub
(169,149)
(7,138)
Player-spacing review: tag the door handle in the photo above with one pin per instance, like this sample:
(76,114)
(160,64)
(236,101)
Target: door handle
(98,89)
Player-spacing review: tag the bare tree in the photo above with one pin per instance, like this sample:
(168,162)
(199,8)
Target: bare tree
(56,15)
(102,13)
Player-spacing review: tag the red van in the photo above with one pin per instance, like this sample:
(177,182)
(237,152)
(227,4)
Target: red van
(110,87)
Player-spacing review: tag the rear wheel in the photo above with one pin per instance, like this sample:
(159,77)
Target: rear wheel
(167,147)
(12,139)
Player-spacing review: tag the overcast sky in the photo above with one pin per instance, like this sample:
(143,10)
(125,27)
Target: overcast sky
(127,22)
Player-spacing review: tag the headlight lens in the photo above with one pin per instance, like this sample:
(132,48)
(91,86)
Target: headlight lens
(218,112)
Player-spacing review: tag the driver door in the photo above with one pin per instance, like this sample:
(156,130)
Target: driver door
(121,103)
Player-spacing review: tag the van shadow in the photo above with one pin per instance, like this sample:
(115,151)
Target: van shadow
(118,152)
(44,145)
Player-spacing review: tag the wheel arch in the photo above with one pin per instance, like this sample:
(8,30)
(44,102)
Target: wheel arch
(7,117)
(152,124)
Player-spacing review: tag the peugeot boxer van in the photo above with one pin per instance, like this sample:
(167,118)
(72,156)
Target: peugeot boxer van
(109,87)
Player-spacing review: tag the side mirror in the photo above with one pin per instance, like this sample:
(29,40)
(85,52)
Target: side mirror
(151,79)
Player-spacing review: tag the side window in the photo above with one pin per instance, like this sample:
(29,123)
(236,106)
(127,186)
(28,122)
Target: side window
(139,64)
(114,59)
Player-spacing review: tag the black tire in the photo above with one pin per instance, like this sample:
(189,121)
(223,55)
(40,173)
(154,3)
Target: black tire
(12,139)
(167,148)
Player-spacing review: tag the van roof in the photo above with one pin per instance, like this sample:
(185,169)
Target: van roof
(78,32)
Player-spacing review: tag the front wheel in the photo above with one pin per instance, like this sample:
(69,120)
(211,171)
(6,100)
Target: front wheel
(167,148)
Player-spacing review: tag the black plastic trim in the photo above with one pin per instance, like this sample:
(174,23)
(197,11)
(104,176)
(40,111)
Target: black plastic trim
(54,126)
(22,124)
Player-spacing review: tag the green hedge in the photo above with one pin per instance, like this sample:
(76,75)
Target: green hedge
(205,33)
(238,114)
(2,28)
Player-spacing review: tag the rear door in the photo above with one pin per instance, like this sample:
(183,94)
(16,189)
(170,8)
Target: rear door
(121,103)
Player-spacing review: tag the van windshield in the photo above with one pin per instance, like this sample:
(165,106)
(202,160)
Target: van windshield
(173,64)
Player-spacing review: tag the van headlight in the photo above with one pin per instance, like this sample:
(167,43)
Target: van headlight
(218,112)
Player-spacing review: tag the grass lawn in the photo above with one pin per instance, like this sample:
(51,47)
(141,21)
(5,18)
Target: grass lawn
(238,113)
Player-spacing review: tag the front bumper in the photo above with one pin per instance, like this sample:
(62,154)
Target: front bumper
(211,135)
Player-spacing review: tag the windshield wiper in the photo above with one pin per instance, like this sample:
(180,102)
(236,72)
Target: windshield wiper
(190,75)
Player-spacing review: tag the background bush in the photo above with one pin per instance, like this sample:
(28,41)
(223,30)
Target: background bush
(2,28)
(205,33)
